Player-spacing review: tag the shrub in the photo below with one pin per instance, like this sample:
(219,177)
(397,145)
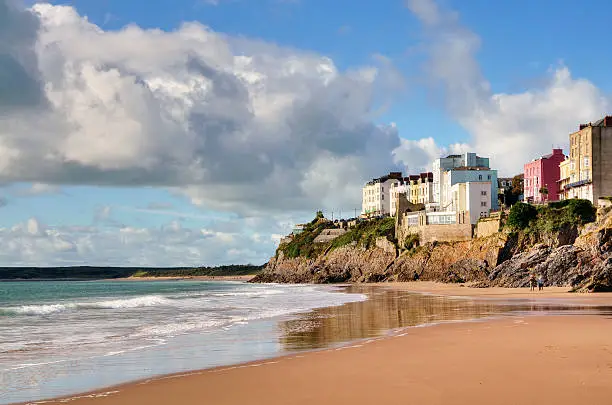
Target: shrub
(520,215)
(411,241)
(582,210)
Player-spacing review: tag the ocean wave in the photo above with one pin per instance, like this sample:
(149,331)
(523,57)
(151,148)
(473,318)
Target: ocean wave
(48,309)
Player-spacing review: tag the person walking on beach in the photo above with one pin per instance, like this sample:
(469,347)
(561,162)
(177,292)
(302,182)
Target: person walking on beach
(532,282)
(540,282)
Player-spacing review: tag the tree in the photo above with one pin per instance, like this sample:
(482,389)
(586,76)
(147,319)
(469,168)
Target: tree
(517,184)
(511,195)
(521,214)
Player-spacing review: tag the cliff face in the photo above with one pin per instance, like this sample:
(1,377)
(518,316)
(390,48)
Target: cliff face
(566,257)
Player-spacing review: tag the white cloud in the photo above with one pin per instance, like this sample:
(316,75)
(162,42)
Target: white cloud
(236,124)
(35,244)
(522,125)
(418,155)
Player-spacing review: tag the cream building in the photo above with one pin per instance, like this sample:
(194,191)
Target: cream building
(564,179)
(590,161)
(376,195)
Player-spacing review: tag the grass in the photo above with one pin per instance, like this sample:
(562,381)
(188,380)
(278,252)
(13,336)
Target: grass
(363,234)
(366,233)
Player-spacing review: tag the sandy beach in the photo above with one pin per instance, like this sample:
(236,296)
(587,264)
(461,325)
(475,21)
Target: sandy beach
(517,359)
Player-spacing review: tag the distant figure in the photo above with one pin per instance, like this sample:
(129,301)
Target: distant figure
(532,282)
(540,283)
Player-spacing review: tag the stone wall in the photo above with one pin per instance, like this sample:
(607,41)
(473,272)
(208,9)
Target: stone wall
(328,235)
(487,227)
(445,233)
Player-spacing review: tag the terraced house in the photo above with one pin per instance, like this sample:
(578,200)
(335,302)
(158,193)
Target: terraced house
(590,162)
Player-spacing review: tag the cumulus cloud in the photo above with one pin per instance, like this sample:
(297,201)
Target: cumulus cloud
(418,155)
(526,124)
(234,124)
(33,243)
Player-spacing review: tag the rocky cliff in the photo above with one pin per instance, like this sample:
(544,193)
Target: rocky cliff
(577,258)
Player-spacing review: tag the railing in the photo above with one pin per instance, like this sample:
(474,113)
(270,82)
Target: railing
(577,184)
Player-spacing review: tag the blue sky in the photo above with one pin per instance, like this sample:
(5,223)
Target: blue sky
(452,75)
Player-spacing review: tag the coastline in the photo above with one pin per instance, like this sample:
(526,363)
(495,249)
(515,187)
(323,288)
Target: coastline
(188,386)
(244,278)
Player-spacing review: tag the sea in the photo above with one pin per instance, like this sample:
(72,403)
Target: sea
(65,338)
(59,338)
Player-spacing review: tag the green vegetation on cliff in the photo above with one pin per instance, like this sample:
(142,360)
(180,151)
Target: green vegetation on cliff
(363,234)
(302,244)
(366,233)
(552,217)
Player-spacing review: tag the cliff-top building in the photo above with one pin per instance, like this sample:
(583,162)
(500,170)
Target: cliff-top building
(465,168)
(542,176)
(376,195)
(590,161)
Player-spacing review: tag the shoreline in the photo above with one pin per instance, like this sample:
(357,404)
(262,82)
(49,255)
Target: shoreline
(181,278)
(259,380)
(440,289)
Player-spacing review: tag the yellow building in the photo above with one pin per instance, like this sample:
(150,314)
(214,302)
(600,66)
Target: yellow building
(590,161)
(564,178)
(414,188)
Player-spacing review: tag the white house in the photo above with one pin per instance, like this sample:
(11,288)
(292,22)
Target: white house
(467,161)
(376,194)
(471,198)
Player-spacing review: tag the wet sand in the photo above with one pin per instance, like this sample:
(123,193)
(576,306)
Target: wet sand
(460,290)
(562,359)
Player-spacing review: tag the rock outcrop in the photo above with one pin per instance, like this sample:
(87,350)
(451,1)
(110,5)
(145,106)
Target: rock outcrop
(567,257)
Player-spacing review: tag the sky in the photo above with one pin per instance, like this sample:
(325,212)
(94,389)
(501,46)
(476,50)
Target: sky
(197,132)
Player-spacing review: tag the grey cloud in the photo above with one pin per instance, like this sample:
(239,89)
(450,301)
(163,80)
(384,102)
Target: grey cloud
(19,80)
(233,123)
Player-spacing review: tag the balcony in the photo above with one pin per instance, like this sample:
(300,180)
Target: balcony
(577,184)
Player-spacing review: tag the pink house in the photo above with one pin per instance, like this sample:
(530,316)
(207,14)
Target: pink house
(541,177)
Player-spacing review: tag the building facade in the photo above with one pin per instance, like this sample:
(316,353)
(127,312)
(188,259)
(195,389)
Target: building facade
(471,201)
(564,179)
(441,165)
(425,194)
(414,188)
(400,189)
(504,184)
(468,175)
(590,161)
(376,195)
(542,176)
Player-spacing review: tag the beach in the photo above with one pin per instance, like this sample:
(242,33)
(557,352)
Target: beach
(562,359)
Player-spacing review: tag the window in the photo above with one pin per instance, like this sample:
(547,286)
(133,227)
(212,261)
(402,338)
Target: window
(480,177)
(383,196)
(489,177)
(483,192)
(483,203)
(586,161)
